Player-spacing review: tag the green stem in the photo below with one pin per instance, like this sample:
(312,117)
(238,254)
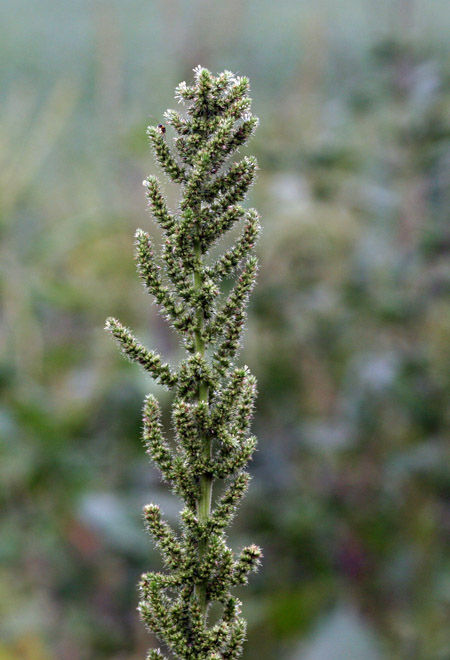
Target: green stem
(206,482)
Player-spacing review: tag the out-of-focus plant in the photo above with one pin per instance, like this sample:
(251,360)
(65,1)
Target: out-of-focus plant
(214,399)
(356,290)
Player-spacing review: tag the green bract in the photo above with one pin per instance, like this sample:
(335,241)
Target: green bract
(213,398)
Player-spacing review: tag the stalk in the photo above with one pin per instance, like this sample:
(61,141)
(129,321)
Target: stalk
(213,398)
(206,482)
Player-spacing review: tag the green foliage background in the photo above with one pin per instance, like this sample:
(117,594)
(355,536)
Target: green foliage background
(349,328)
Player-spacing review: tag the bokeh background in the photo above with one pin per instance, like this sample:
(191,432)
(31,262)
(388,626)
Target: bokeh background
(349,328)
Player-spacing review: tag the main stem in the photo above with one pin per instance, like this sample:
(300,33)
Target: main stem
(204,501)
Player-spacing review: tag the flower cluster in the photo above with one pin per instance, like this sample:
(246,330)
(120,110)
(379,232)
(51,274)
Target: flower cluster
(213,399)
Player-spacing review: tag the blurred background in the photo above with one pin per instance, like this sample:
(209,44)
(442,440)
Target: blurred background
(348,334)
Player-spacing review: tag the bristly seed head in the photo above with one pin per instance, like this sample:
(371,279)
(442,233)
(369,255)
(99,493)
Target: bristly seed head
(213,399)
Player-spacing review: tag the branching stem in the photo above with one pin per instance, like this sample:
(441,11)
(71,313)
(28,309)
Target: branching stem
(211,442)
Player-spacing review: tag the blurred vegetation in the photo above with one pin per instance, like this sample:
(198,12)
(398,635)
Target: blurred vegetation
(349,332)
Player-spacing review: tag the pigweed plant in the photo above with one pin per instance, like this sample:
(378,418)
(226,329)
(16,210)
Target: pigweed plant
(213,398)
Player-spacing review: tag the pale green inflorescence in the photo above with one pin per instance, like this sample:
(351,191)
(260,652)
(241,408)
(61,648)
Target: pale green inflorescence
(213,398)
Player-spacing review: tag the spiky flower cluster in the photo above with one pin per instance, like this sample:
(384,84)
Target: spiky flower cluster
(213,398)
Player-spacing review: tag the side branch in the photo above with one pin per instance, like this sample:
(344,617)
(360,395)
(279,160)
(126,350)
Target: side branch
(228,262)
(158,204)
(136,352)
(164,157)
